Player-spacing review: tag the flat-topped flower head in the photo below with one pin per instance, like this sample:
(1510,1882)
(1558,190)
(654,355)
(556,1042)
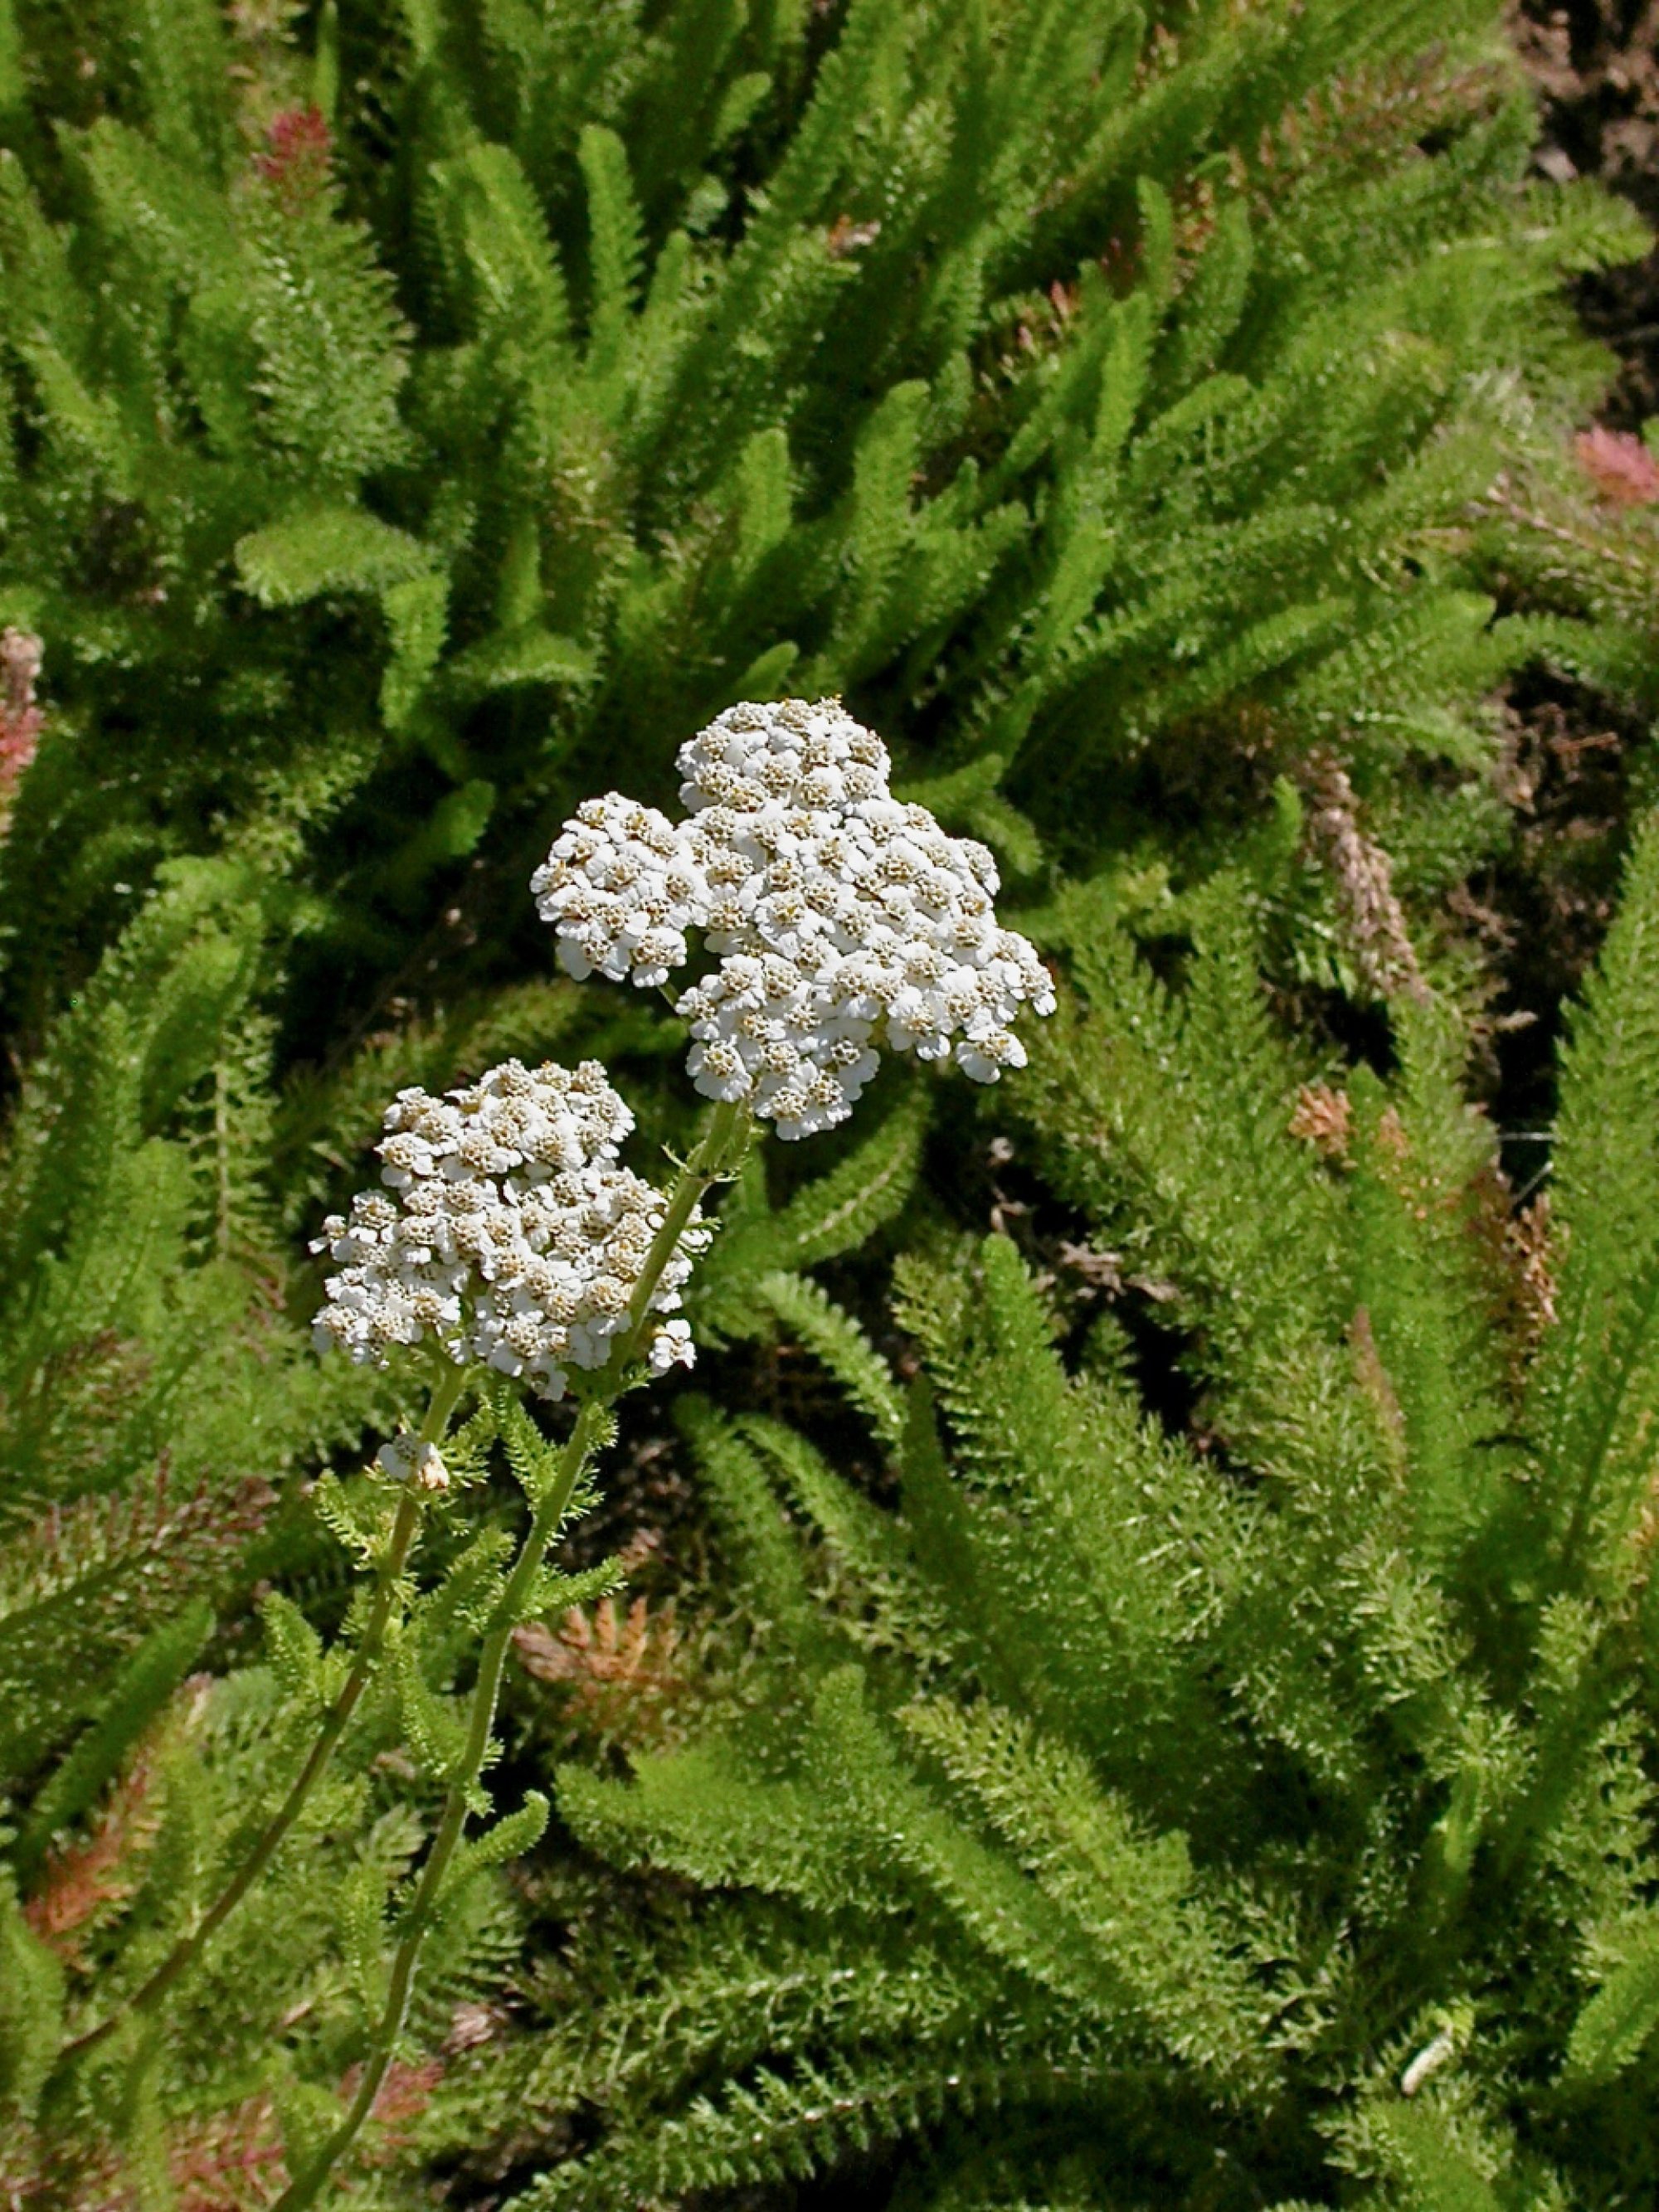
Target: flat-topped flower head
(515,1239)
(840,920)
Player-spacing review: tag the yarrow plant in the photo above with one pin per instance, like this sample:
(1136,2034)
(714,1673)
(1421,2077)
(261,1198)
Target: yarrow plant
(510,1249)
(840,920)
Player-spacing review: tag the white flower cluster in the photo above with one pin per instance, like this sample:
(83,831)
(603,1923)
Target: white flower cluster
(840,920)
(515,1239)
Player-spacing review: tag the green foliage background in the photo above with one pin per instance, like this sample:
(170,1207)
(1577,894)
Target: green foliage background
(1126,1699)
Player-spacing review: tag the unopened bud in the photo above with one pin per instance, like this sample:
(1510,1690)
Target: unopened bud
(430,1473)
(404,1460)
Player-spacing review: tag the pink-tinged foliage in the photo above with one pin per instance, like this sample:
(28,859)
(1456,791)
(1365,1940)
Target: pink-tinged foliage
(21,720)
(1620,465)
(297,165)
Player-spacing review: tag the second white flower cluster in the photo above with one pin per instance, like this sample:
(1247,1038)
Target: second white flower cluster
(514,1239)
(839,919)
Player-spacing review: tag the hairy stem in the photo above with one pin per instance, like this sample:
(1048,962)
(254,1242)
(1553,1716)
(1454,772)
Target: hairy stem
(712,1158)
(445,1394)
(714,1155)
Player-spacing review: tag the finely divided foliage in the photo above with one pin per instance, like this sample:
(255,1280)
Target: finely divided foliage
(1138,1824)
(1074,386)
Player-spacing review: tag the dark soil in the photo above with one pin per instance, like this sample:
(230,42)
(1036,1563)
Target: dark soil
(1595,65)
(1542,910)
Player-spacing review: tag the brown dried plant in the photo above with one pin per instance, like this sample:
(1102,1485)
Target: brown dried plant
(1324,1118)
(624,1671)
(1362,876)
(86,1883)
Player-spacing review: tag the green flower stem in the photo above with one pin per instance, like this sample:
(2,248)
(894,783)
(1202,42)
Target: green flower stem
(714,1157)
(452,1823)
(441,1406)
